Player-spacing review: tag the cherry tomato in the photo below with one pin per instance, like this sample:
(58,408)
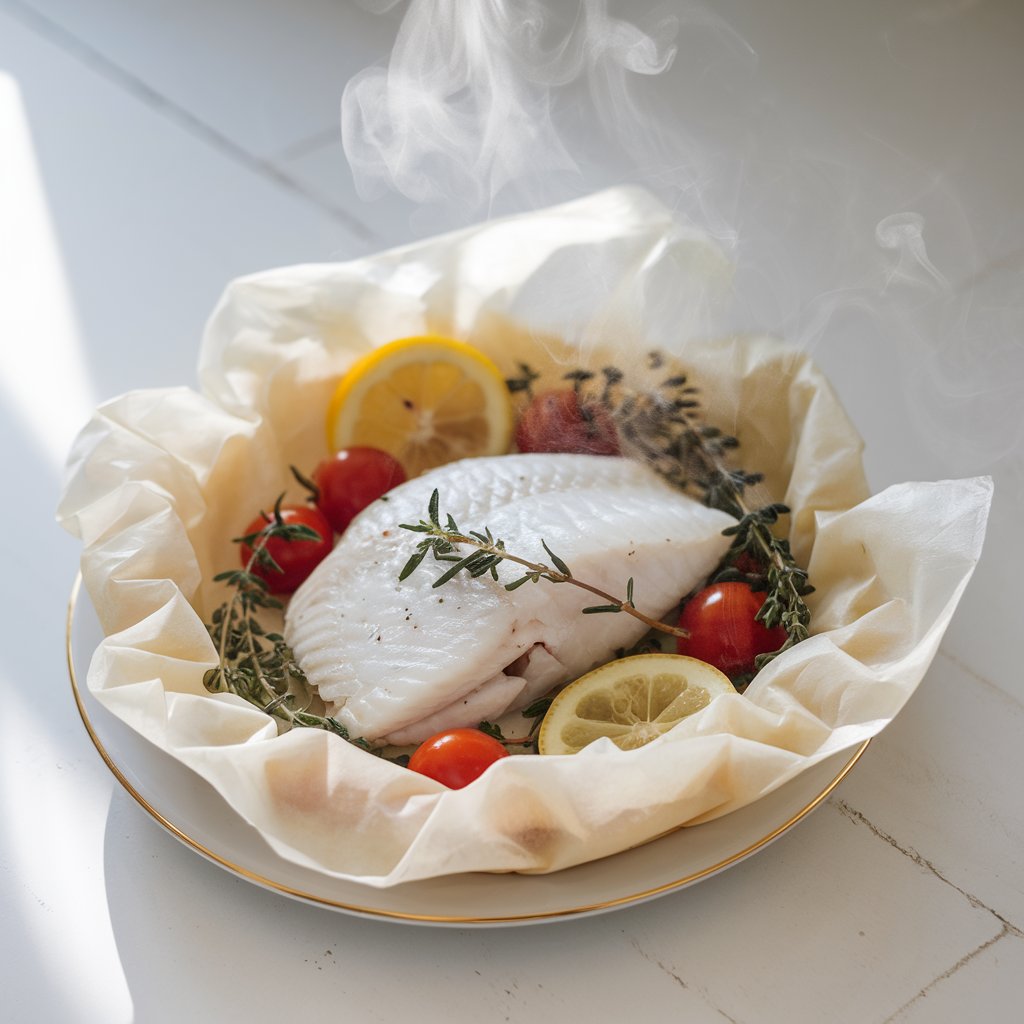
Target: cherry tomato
(723,631)
(556,422)
(456,757)
(351,479)
(297,558)
(749,564)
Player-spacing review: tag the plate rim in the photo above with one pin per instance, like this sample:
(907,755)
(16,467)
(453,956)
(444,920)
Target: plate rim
(418,918)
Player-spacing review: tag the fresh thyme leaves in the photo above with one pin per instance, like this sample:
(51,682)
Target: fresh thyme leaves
(537,710)
(784,581)
(252,663)
(492,730)
(524,382)
(489,552)
(662,424)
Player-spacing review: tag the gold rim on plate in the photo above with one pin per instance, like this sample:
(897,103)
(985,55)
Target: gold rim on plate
(355,908)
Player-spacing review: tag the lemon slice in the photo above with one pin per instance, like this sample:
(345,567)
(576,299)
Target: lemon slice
(426,400)
(631,701)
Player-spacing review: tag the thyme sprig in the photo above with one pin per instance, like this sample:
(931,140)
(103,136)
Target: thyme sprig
(489,552)
(536,710)
(785,583)
(524,382)
(254,664)
(663,425)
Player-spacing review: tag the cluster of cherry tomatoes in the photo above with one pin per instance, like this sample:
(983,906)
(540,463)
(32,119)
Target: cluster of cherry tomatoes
(721,619)
(344,484)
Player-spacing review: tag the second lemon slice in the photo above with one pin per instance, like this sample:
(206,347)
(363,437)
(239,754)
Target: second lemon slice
(426,400)
(631,701)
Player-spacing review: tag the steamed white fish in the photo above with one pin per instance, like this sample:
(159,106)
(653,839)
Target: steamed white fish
(399,662)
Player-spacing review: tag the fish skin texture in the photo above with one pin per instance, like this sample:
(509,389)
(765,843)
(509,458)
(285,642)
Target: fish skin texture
(399,662)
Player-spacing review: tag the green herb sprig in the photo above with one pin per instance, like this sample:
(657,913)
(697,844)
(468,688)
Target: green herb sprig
(664,426)
(536,710)
(252,663)
(489,552)
(784,582)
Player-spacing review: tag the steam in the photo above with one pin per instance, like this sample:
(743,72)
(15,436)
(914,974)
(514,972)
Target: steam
(494,106)
(903,235)
(480,100)
(961,342)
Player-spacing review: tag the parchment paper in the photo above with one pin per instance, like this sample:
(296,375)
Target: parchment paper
(160,481)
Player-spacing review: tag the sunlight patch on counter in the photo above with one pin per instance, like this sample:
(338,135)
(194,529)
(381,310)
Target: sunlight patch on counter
(43,376)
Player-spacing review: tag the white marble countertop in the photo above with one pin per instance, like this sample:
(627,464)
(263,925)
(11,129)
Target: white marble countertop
(150,152)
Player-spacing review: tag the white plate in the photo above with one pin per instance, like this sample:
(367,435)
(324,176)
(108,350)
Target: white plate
(192,811)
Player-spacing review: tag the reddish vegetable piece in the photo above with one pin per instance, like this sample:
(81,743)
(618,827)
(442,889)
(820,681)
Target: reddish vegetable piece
(351,479)
(747,563)
(723,630)
(296,558)
(555,421)
(457,756)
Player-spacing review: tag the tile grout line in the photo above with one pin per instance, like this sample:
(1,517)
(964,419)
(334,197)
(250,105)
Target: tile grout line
(968,671)
(678,980)
(1006,929)
(185,119)
(309,144)
(962,962)
(859,819)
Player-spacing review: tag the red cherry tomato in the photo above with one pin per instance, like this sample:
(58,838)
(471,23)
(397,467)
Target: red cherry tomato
(297,558)
(351,479)
(556,422)
(723,631)
(456,757)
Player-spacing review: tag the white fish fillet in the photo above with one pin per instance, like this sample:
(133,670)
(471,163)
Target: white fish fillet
(399,662)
